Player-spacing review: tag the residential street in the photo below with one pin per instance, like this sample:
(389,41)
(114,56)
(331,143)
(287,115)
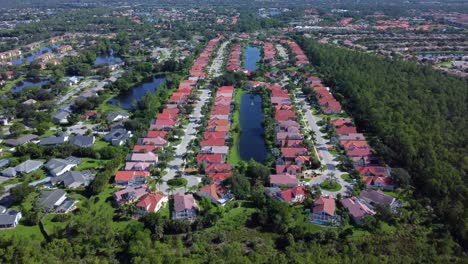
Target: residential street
(326,158)
(189,132)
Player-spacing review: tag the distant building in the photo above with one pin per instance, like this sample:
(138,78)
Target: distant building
(118,137)
(61,117)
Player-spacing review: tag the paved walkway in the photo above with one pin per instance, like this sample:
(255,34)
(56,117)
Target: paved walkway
(189,134)
(327,159)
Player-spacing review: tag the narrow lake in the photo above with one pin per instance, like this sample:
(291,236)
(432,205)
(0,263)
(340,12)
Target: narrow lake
(107,59)
(251,142)
(251,57)
(25,84)
(125,100)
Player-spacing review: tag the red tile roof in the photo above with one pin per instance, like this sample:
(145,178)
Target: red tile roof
(150,201)
(325,204)
(127,175)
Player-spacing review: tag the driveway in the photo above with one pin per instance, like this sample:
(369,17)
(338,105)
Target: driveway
(327,159)
(189,133)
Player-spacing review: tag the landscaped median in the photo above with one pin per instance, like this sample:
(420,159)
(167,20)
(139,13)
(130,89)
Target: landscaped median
(234,157)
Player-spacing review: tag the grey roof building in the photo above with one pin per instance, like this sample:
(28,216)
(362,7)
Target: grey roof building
(28,166)
(82,141)
(61,117)
(9,172)
(57,167)
(53,140)
(52,199)
(4,162)
(74,179)
(9,218)
(21,140)
(116,116)
(118,137)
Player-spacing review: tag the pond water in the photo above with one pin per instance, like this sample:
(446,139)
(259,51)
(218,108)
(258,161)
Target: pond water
(32,56)
(125,100)
(251,141)
(251,57)
(108,59)
(24,84)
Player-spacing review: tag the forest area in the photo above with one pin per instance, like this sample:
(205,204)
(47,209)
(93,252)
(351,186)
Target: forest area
(417,117)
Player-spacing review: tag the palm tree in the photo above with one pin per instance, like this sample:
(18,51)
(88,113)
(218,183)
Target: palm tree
(171,189)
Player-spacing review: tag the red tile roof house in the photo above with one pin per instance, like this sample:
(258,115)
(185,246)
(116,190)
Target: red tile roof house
(218,123)
(289,154)
(129,194)
(352,136)
(293,143)
(285,125)
(283,115)
(185,207)
(131,177)
(143,157)
(290,169)
(323,211)
(218,177)
(144,148)
(137,166)
(357,209)
(289,136)
(385,183)
(213,142)
(374,171)
(157,141)
(344,126)
(223,150)
(155,133)
(332,107)
(278,180)
(214,168)
(215,193)
(163,124)
(215,135)
(294,195)
(210,159)
(151,203)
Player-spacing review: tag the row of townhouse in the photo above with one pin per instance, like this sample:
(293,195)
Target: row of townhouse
(326,101)
(198,68)
(214,148)
(301,58)
(134,175)
(10,54)
(234,59)
(359,151)
(294,154)
(269,54)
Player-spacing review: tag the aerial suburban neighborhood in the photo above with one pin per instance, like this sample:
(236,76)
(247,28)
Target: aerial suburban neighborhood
(233,132)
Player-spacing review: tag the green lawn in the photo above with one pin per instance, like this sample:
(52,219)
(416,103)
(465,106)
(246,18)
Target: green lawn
(446,64)
(330,186)
(29,232)
(234,156)
(107,107)
(89,163)
(99,144)
(346,177)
